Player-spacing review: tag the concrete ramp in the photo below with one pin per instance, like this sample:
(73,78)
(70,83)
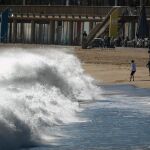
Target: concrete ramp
(99,29)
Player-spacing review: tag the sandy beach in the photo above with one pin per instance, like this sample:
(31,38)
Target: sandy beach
(107,66)
(112,66)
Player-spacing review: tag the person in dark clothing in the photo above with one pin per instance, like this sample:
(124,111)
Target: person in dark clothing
(84,39)
(84,34)
(148,66)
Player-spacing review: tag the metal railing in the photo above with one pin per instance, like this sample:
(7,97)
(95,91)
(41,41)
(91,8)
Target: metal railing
(59,10)
(88,11)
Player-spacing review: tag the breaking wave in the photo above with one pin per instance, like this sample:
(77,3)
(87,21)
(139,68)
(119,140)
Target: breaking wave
(39,91)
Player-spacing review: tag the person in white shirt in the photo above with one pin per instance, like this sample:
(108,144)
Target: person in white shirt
(133,70)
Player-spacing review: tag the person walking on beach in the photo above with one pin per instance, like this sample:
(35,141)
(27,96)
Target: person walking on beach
(148,66)
(133,70)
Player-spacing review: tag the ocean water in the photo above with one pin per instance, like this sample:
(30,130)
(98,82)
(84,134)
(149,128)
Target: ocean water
(48,103)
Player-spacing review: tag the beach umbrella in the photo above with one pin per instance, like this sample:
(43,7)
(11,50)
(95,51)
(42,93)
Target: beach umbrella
(143,27)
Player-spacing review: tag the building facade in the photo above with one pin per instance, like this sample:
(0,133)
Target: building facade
(75,2)
(65,30)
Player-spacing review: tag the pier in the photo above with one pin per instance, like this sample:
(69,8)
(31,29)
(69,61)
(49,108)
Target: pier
(61,25)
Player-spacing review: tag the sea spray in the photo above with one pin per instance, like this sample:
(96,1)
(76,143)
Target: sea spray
(39,91)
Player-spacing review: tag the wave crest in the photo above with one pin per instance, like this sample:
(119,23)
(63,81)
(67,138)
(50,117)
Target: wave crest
(39,92)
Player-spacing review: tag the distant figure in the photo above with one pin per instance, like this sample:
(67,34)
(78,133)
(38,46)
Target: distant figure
(112,43)
(119,41)
(148,43)
(105,41)
(134,43)
(84,34)
(133,70)
(84,39)
(148,66)
(126,41)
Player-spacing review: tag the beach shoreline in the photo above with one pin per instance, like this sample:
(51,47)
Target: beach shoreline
(106,66)
(112,66)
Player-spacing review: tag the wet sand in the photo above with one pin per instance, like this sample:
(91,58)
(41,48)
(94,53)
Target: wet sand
(112,66)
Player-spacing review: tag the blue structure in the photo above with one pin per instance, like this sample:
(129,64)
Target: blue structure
(4,25)
(143,27)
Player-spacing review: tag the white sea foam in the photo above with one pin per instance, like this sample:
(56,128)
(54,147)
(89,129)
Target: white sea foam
(39,91)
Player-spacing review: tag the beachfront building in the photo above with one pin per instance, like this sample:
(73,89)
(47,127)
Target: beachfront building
(48,22)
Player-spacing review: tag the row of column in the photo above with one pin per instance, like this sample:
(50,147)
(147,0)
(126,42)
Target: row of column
(73,32)
(37,35)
